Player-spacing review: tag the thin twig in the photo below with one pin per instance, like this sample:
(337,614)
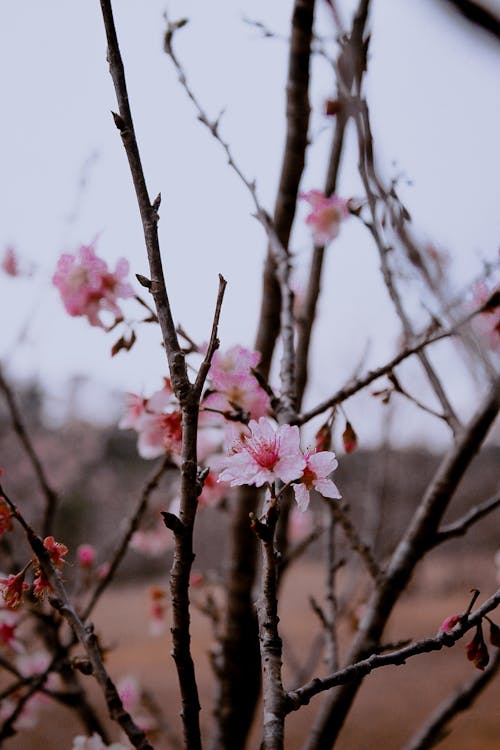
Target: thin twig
(302,696)
(51,497)
(463,524)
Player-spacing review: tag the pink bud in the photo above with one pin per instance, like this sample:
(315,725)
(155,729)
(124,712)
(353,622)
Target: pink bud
(450,622)
(349,438)
(476,650)
(86,555)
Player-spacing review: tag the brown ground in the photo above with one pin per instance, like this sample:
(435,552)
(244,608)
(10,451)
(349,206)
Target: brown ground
(391,705)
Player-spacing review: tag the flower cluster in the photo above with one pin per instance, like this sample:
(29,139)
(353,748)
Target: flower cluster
(264,454)
(157,421)
(13,587)
(233,387)
(88,288)
(326,215)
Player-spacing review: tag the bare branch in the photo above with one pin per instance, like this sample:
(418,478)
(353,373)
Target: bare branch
(463,524)
(148,210)
(302,696)
(85,634)
(51,497)
(352,536)
(477,14)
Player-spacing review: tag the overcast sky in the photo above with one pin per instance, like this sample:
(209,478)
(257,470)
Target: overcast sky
(433,93)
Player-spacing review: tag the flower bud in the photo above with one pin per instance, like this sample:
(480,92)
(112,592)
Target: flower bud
(476,650)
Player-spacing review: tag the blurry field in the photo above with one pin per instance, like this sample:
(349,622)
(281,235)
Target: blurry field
(391,705)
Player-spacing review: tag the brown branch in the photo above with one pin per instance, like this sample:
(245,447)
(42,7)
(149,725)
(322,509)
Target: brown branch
(238,661)
(424,340)
(85,634)
(350,55)
(271,646)
(355,542)
(477,14)
(148,210)
(463,524)
(51,497)
(367,168)
(354,672)
(435,729)
(414,544)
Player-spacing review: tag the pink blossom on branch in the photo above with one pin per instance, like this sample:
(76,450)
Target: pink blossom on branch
(315,475)
(10,263)
(88,288)
(326,215)
(234,385)
(264,455)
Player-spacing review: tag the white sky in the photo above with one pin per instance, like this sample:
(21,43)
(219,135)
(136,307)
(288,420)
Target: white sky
(433,94)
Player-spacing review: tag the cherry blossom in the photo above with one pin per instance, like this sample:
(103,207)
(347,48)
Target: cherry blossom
(88,288)
(264,454)
(157,420)
(326,215)
(234,385)
(300,525)
(8,623)
(158,621)
(41,585)
(154,541)
(13,588)
(315,476)
(56,550)
(10,263)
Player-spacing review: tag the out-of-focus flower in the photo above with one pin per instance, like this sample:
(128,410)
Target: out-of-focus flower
(154,541)
(157,421)
(477,651)
(8,623)
(300,525)
(95,743)
(234,385)
(315,475)
(10,263)
(158,622)
(487,323)
(88,288)
(326,215)
(264,455)
(86,555)
(13,588)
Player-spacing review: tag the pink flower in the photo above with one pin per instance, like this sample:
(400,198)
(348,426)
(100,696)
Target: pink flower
(152,542)
(88,288)
(326,215)
(8,624)
(265,455)
(13,589)
(10,264)
(315,476)
(158,622)
(136,408)
(86,555)
(41,585)
(56,550)
(235,385)
(160,434)
(300,525)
